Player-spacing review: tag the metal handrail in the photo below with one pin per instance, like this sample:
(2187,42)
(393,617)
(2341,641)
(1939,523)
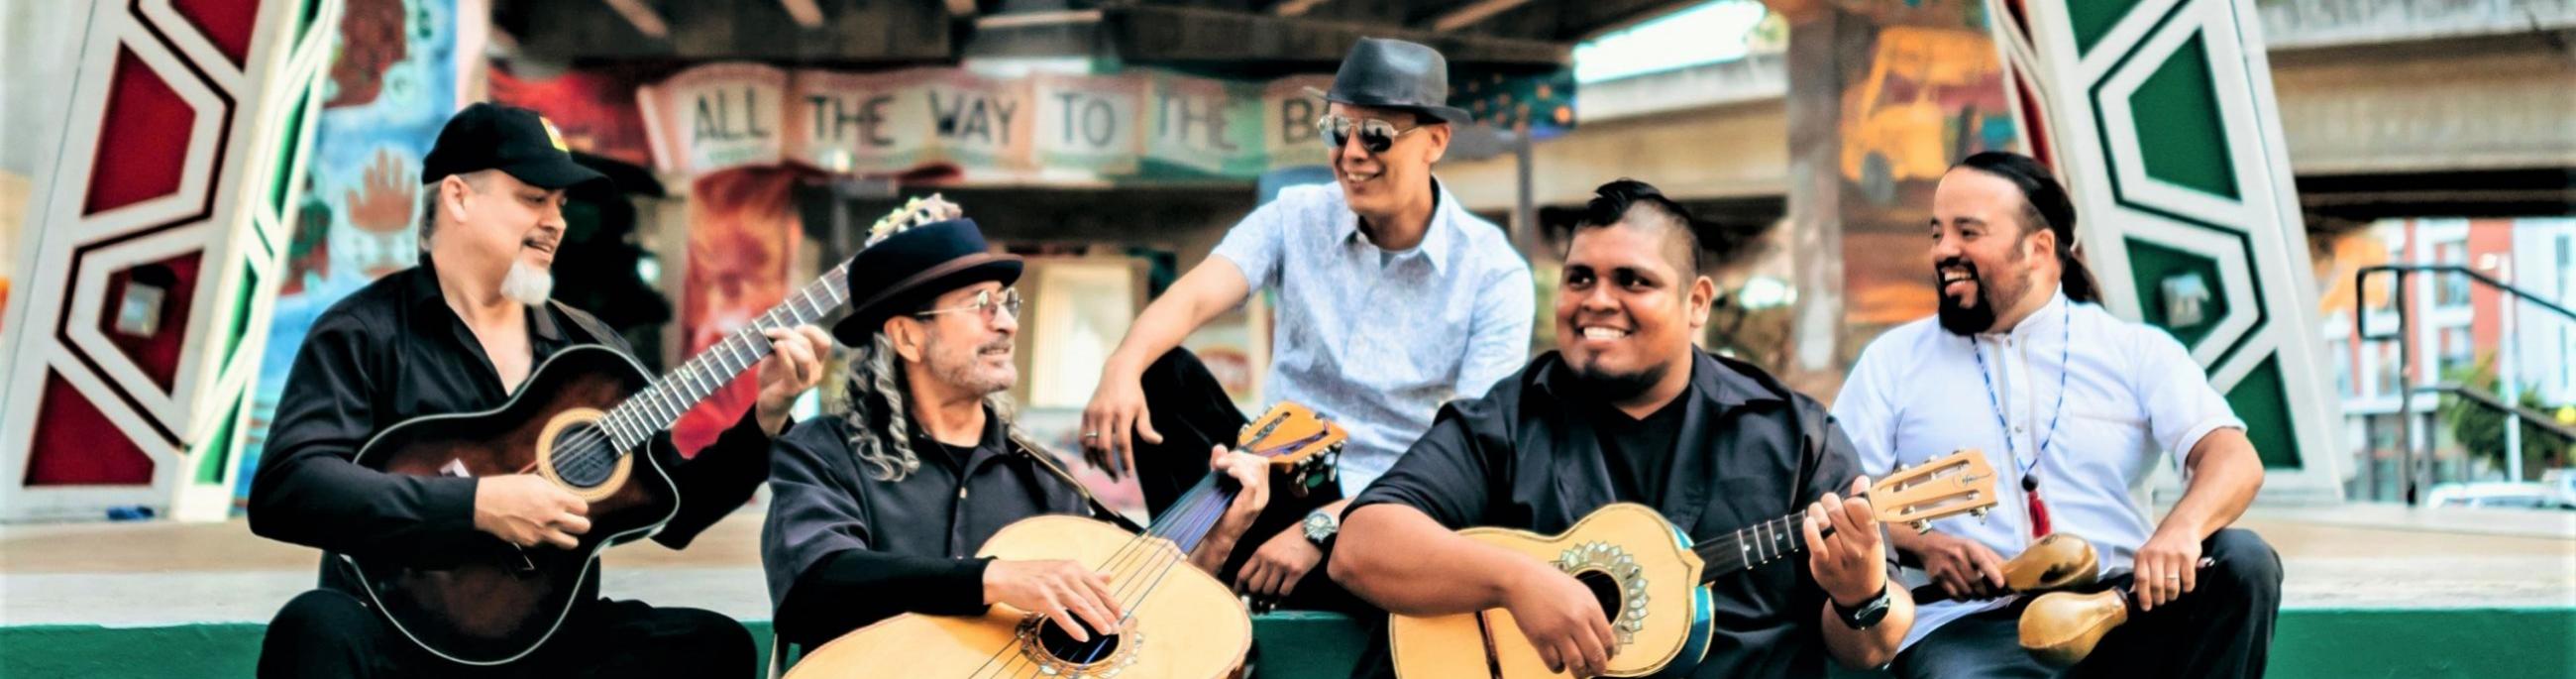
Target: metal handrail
(2531,417)
(2416,466)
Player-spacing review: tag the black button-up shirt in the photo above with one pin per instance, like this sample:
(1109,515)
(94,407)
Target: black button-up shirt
(392,351)
(844,548)
(1748,450)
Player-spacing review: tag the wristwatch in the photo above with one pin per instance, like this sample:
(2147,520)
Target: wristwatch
(1320,527)
(1867,614)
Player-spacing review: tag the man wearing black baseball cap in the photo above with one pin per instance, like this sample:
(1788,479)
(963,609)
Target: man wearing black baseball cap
(457,334)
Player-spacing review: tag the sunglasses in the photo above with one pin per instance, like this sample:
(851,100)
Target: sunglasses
(1009,303)
(1376,136)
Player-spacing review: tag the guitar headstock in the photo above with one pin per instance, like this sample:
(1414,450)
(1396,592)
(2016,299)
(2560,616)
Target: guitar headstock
(1296,440)
(1958,483)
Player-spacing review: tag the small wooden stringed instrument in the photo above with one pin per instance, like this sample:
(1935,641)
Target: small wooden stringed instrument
(1653,582)
(578,420)
(1180,623)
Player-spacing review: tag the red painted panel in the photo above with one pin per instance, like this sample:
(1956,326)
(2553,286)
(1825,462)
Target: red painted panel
(227,23)
(142,140)
(76,445)
(158,354)
(2034,121)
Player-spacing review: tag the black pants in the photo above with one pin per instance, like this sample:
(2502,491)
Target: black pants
(2223,628)
(1192,412)
(328,633)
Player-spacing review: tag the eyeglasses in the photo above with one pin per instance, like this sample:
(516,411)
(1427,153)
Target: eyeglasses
(1376,135)
(984,302)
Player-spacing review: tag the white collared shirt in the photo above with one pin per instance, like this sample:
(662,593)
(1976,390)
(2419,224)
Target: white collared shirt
(2133,398)
(1377,339)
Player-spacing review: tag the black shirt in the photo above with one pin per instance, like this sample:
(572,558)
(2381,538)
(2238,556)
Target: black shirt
(1639,451)
(392,351)
(1747,449)
(844,547)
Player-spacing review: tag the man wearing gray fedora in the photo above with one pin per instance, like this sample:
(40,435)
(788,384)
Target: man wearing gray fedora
(1392,299)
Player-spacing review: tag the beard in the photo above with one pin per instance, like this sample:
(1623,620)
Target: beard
(1992,294)
(527,284)
(1616,386)
(965,370)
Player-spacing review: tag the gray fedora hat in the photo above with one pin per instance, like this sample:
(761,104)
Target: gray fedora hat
(1388,73)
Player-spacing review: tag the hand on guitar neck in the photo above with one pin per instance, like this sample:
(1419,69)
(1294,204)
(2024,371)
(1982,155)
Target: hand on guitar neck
(527,510)
(1843,549)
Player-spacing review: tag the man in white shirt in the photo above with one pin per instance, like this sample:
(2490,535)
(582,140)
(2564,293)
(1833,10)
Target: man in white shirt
(1392,299)
(2074,408)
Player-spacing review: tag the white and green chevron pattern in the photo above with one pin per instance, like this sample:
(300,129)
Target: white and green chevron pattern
(2160,117)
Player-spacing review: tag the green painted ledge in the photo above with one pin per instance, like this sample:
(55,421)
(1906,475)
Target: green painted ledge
(2337,643)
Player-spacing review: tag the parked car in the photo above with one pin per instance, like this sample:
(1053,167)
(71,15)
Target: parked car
(2523,495)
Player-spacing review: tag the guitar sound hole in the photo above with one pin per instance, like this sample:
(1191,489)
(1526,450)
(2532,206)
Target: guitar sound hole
(1605,589)
(582,456)
(1061,645)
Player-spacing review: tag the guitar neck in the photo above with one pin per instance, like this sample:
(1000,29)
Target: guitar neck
(660,404)
(1751,546)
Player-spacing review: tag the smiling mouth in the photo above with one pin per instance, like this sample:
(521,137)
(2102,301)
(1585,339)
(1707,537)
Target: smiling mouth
(1603,333)
(1955,279)
(538,245)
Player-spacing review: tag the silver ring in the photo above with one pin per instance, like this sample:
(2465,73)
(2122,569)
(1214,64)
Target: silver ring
(2173,577)
(1091,434)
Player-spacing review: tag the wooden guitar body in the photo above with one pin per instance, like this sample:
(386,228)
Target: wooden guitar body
(1189,626)
(1638,564)
(1651,579)
(500,602)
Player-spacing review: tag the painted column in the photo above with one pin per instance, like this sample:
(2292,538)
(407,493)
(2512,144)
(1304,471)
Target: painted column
(152,236)
(2159,116)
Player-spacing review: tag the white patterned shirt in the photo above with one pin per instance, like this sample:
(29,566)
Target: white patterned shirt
(1374,339)
(2134,399)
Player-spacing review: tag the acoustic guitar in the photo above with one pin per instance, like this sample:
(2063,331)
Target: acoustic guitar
(579,420)
(1179,623)
(1652,581)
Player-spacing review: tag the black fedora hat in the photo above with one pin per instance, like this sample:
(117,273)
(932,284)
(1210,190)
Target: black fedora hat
(1389,73)
(905,266)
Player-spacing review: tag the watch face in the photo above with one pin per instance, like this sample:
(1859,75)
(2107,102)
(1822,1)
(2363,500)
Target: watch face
(1319,526)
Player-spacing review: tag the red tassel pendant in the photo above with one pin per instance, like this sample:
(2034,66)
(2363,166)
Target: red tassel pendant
(2038,509)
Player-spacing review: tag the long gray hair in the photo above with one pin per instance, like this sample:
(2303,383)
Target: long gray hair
(880,423)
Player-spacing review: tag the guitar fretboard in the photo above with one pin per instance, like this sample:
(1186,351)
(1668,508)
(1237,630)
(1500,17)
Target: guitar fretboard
(1751,546)
(653,409)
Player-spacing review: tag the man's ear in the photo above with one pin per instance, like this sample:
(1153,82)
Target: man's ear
(1439,142)
(905,333)
(1703,295)
(453,190)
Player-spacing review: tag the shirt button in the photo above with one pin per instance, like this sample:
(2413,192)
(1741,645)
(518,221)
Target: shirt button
(2016,430)
(961,493)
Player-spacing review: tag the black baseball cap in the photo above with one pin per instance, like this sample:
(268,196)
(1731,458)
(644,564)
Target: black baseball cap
(515,140)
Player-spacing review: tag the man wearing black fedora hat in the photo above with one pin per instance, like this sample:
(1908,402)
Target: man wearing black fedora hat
(1392,298)
(879,511)
(458,334)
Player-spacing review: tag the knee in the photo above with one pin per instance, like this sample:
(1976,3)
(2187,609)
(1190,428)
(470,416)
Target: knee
(319,619)
(713,636)
(1177,366)
(2244,562)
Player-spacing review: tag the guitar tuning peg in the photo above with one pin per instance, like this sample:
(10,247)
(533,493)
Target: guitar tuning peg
(1980,513)
(1922,527)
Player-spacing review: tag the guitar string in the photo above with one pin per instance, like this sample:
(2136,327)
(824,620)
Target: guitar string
(1125,552)
(1195,518)
(1130,553)
(587,438)
(1114,557)
(1199,520)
